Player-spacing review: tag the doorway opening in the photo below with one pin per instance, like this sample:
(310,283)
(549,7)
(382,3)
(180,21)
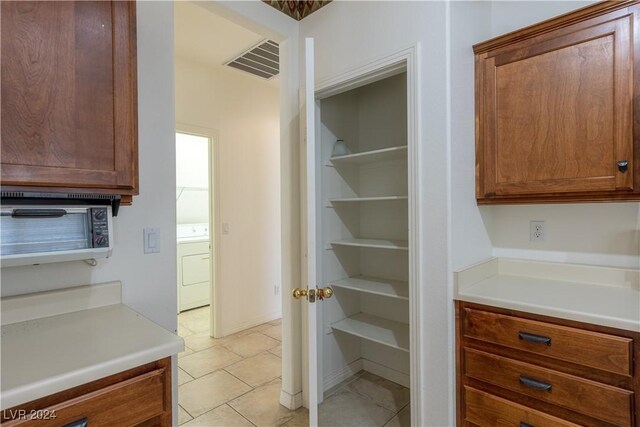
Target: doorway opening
(230,372)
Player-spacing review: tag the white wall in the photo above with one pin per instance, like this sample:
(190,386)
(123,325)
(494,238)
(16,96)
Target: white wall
(602,234)
(245,113)
(507,16)
(470,225)
(351,34)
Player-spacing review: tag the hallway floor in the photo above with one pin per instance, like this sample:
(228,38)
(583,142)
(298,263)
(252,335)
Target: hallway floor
(231,381)
(235,381)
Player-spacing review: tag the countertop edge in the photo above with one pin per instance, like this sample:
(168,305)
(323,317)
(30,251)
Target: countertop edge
(622,324)
(36,390)
(493,270)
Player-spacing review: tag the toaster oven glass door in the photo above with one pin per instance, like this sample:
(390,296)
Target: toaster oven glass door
(39,230)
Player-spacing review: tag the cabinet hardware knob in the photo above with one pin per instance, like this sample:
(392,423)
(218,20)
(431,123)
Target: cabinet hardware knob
(537,339)
(535,384)
(623,165)
(82,422)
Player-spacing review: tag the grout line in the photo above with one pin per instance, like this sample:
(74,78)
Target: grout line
(239,413)
(252,387)
(189,413)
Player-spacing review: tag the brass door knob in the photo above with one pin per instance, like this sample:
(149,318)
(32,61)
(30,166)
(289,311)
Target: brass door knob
(300,293)
(324,293)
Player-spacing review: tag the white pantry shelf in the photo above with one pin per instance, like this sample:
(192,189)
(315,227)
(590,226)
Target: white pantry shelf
(374,285)
(402,245)
(367,199)
(372,328)
(392,153)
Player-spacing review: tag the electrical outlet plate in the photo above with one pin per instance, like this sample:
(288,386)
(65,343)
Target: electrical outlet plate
(536,231)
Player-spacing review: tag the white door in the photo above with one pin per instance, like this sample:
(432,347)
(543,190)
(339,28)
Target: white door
(366,259)
(313,291)
(309,309)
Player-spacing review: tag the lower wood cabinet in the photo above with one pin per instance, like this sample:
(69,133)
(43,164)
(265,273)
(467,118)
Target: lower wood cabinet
(137,397)
(523,370)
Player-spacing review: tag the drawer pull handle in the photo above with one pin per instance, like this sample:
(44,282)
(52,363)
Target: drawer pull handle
(78,423)
(538,339)
(523,424)
(535,384)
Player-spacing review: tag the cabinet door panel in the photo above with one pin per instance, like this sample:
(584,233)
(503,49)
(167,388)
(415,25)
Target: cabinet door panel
(556,110)
(562,116)
(68,94)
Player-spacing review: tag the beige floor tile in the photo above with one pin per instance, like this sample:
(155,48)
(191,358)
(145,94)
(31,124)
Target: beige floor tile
(250,345)
(183,377)
(206,361)
(403,419)
(347,409)
(205,393)
(277,351)
(183,416)
(252,330)
(338,387)
(187,351)
(183,331)
(196,320)
(276,322)
(257,370)
(200,341)
(222,416)
(385,393)
(274,332)
(300,419)
(262,406)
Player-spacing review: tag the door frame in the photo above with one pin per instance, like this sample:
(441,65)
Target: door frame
(407,59)
(214,214)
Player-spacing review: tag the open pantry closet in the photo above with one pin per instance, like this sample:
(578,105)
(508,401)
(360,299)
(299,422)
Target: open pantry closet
(362,213)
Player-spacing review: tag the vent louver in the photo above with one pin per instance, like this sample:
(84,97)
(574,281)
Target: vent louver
(262,60)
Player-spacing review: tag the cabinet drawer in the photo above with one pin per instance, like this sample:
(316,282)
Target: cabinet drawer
(486,410)
(601,401)
(601,351)
(126,403)
(195,269)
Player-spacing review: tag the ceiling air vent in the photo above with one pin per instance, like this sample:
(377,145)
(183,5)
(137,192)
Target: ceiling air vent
(262,60)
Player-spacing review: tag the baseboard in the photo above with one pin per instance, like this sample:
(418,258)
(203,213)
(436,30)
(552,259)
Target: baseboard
(250,323)
(386,372)
(291,401)
(348,371)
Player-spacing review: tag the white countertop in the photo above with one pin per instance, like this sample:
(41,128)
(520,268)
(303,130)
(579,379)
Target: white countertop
(44,355)
(598,295)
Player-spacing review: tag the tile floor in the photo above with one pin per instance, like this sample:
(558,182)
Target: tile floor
(231,381)
(235,381)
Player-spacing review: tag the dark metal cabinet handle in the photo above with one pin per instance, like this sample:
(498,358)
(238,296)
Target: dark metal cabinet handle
(78,423)
(535,384)
(623,165)
(537,339)
(523,424)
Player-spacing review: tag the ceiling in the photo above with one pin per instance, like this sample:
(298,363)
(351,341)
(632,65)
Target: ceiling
(204,37)
(297,9)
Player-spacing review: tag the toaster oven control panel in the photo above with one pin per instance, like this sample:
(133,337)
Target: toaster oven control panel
(99,227)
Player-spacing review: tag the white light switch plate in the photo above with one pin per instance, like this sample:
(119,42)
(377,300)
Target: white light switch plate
(151,240)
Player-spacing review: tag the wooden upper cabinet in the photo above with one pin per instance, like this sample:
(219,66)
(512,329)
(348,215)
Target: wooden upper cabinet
(558,109)
(69,99)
